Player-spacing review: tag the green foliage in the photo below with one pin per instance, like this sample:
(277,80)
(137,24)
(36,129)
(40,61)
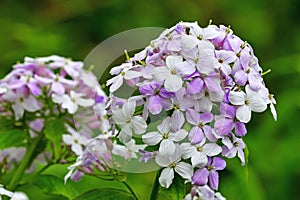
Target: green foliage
(53,185)
(105,194)
(176,191)
(12,138)
(54,129)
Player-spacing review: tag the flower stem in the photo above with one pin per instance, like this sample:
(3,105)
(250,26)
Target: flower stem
(130,189)
(26,161)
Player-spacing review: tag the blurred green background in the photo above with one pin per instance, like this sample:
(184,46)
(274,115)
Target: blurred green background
(72,28)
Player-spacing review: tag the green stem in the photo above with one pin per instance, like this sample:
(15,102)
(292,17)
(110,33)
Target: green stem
(155,187)
(130,189)
(26,161)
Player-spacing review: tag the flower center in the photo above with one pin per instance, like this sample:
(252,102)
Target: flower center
(173,71)
(210,167)
(128,120)
(206,93)
(236,144)
(248,71)
(247,102)
(199,149)
(220,61)
(200,37)
(21,99)
(172,165)
(176,107)
(169,37)
(122,73)
(76,141)
(200,125)
(165,136)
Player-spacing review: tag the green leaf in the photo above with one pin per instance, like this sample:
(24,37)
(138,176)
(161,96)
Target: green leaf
(175,192)
(105,194)
(53,185)
(54,129)
(12,138)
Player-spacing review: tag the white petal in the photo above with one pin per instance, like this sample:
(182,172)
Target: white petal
(204,104)
(273,111)
(19,196)
(243,114)
(58,99)
(212,149)
(164,127)
(187,150)
(173,83)
(237,98)
(138,124)
(31,104)
(128,109)
(67,139)
(118,117)
(77,149)
(189,42)
(18,110)
(172,61)
(166,177)
(199,159)
(125,134)
(161,73)
(85,102)
(167,147)
(115,82)
(132,74)
(256,102)
(178,136)
(152,138)
(185,170)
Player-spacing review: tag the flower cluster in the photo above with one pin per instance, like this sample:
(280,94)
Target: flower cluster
(195,90)
(46,88)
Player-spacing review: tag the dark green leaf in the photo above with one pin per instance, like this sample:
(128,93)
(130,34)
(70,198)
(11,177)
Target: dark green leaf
(105,194)
(53,185)
(175,192)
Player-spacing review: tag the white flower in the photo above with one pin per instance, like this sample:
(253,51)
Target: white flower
(247,102)
(3,88)
(21,103)
(71,102)
(75,140)
(172,162)
(124,72)
(13,195)
(129,150)
(269,99)
(172,72)
(129,123)
(199,152)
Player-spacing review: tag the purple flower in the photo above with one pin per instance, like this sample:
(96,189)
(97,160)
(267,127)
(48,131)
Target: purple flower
(209,173)
(233,148)
(158,96)
(227,121)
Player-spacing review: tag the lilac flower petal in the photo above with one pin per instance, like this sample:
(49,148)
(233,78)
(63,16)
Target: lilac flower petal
(34,88)
(227,110)
(240,129)
(196,135)
(219,163)
(214,179)
(155,104)
(223,126)
(206,117)
(166,177)
(241,77)
(58,88)
(195,86)
(177,120)
(243,113)
(193,117)
(146,89)
(200,177)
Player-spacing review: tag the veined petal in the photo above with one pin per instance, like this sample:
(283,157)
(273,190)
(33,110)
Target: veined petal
(125,134)
(200,177)
(67,139)
(243,113)
(115,82)
(189,42)
(167,147)
(196,135)
(185,170)
(77,149)
(219,163)
(256,102)
(178,136)
(237,98)
(173,83)
(172,61)
(31,104)
(166,177)
(152,138)
(138,124)
(18,110)
(214,179)
(211,149)
(164,127)
(132,74)
(193,117)
(177,120)
(199,159)
(161,73)
(128,109)
(187,150)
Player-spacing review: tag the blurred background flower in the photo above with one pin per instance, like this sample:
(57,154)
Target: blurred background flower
(72,28)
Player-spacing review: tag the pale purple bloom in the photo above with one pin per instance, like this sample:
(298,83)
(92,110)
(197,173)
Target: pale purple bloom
(209,173)
(227,121)
(225,58)
(233,148)
(200,129)
(128,151)
(172,73)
